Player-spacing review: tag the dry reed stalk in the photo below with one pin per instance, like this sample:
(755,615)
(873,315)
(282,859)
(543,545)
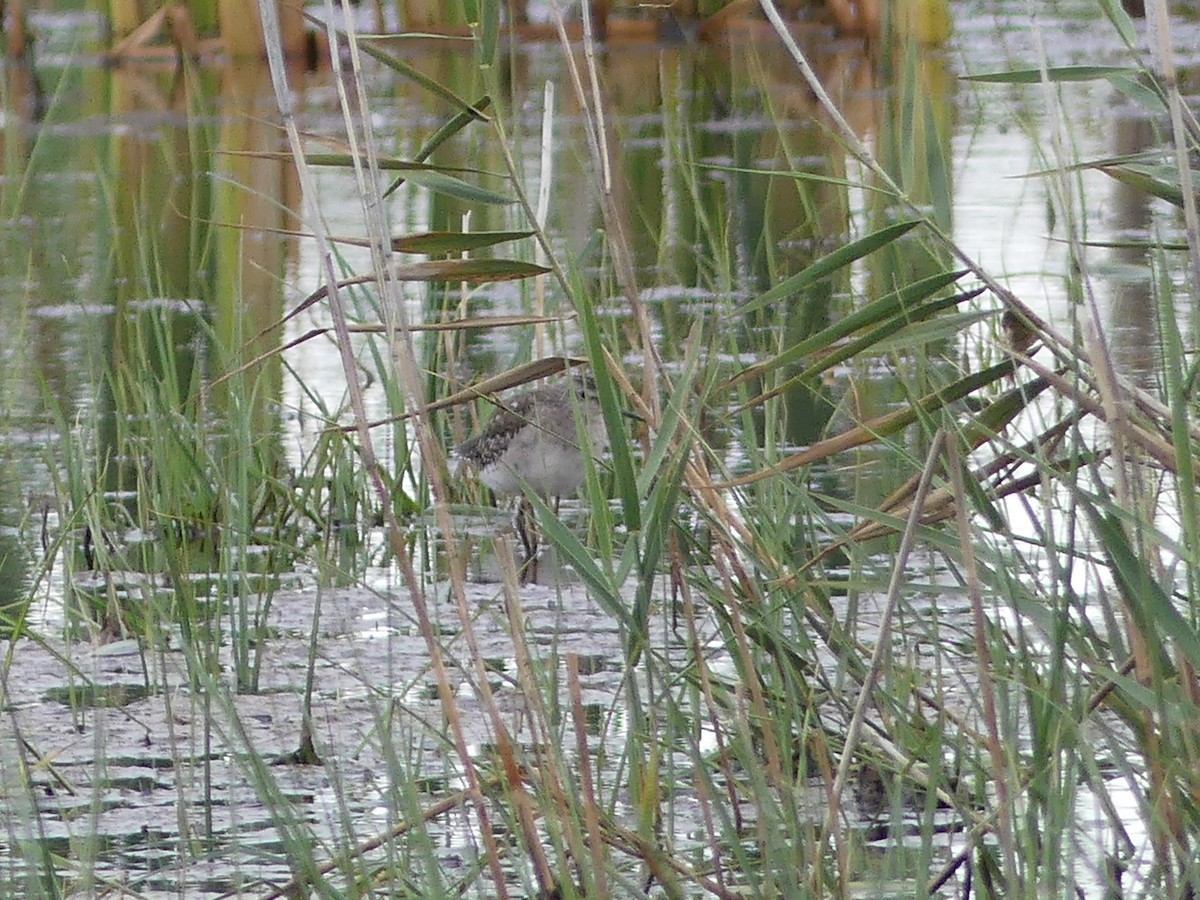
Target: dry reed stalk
(404,356)
(514,770)
(983,656)
(591,811)
(882,649)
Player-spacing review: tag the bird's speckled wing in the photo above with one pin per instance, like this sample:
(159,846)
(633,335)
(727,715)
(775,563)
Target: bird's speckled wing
(483,450)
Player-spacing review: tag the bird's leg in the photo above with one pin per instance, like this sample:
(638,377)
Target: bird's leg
(527,531)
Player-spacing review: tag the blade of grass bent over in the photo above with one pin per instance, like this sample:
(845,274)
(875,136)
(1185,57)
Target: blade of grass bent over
(877,311)
(443,134)
(899,328)
(1054,74)
(879,427)
(1145,598)
(419,77)
(405,362)
(829,264)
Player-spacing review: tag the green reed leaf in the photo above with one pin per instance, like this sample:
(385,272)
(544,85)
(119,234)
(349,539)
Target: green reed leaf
(442,242)
(880,426)
(1121,21)
(441,183)
(487,31)
(929,330)
(888,313)
(433,178)
(1157,181)
(905,316)
(610,405)
(1150,606)
(829,264)
(415,75)
(798,175)
(570,546)
(1053,74)
(1148,95)
(473,271)
(443,134)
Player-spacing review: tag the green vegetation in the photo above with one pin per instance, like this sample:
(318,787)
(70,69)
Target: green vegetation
(888,591)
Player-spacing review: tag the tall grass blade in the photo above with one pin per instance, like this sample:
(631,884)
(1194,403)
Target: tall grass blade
(418,77)
(436,243)
(456,124)
(798,175)
(432,178)
(486,24)
(565,540)
(898,302)
(827,265)
(1121,21)
(880,426)
(611,406)
(1157,181)
(1053,74)
(470,271)
(1145,598)
(912,325)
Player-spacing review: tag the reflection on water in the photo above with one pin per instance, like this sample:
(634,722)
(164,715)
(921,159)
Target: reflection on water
(1134,308)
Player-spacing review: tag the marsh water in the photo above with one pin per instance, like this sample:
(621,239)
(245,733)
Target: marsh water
(137,196)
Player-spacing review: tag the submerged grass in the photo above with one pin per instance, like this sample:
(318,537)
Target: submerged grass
(883,613)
